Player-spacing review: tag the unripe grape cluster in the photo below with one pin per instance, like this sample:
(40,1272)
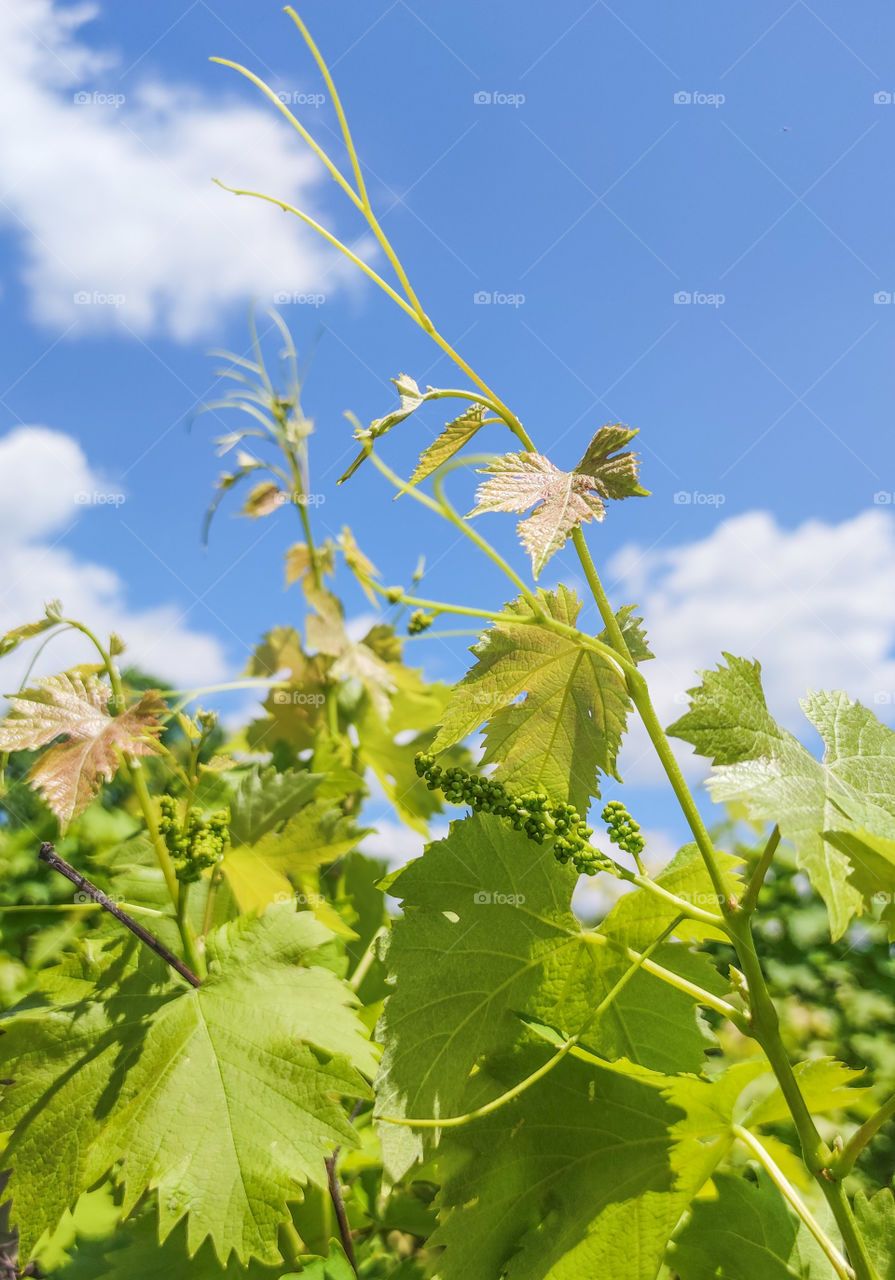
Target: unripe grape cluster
(622,829)
(530,811)
(195,844)
(419,621)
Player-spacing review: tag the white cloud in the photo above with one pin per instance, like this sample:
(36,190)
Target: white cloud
(813,604)
(116,202)
(43,474)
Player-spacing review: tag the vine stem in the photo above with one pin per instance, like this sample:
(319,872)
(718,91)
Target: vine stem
(844,1162)
(335,1193)
(48,854)
(749,900)
(141,791)
(132,908)
(789,1193)
(765,1028)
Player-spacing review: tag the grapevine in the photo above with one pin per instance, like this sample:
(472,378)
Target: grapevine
(531,812)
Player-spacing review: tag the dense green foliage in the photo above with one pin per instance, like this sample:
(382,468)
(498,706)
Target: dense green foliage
(226,1056)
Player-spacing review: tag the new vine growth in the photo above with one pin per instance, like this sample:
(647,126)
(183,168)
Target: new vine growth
(229,1057)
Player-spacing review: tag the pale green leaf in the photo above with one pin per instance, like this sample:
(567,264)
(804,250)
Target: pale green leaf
(360,565)
(569,725)
(633,632)
(779,780)
(455,435)
(27,631)
(222,1098)
(263,799)
(825,1084)
(411,399)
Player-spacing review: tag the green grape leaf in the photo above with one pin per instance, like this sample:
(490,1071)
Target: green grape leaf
(571,722)
(392,764)
(134,1252)
(221,1098)
(298,562)
(455,435)
(487,934)
(825,1084)
(263,799)
(354,660)
(411,399)
(258,874)
(779,780)
(747,1230)
(28,630)
(643,914)
(68,775)
(360,565)
(565,500)
(633,632)
(294,711)
(616,473)
(532,1194)
(876,1223)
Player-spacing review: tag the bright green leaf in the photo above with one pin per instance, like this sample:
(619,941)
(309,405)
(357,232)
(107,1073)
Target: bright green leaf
(568,726)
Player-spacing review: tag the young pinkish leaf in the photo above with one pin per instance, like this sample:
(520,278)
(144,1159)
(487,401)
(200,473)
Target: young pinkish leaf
(69,774)
(566,499)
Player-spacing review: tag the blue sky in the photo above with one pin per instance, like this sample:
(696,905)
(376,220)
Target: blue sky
(741,156)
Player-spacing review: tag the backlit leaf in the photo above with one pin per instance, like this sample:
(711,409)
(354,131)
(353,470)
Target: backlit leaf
(570,723)
(455,435)
(69,774)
